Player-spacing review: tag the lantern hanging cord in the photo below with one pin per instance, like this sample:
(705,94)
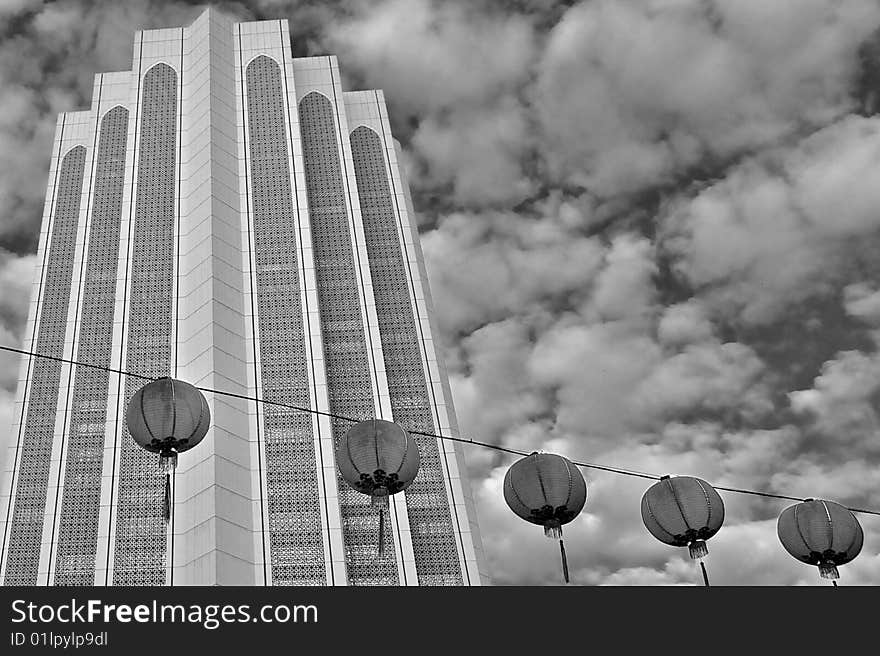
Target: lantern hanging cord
(495,447)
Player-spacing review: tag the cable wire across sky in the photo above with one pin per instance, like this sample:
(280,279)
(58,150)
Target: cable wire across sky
(495,447)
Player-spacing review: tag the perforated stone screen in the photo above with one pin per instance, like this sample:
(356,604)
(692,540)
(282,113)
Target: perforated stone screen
(349,385)
(293,508)
(140,556)
(433,537)
(26,531)
(80,502)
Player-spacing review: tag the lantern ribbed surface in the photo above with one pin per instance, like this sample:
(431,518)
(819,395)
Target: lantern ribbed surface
(683,511)
(545,489)
(168,415)
(378,457)
(821,533)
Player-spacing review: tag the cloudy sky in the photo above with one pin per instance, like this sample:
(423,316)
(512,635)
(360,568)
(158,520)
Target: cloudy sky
(651,228)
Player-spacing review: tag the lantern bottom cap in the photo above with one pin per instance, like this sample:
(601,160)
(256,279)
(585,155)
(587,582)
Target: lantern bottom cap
(167,462)
(698,549)
(379,501)
(828,571)
(553,531)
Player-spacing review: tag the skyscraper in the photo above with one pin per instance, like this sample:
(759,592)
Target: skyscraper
(226,214)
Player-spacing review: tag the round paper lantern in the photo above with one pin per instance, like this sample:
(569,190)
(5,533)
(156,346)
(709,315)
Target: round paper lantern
(548,490)
(683,511)
(378,458)
(545,489)
(821,533)
(168,417)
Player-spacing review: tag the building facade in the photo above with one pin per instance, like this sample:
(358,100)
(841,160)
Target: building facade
(226,214)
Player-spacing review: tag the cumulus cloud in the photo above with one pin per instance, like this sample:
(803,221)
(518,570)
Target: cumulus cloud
(453,70)
(742,239)
(709,377)
(592,371)
(9,8)
(15,283)
(862,302)
(842,402)
(531,266)
(781,226)
(684,323)
(16,274)
(497,395)
(430,55)
(624,288)
(477,152)
(630,93)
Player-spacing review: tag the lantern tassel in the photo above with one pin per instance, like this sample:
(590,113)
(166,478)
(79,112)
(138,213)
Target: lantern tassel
(380,501)
(564,559)
(167,497)
(705,574)
(381,532)
(828,571)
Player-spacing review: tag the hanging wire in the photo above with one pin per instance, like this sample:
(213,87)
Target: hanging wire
(495,447)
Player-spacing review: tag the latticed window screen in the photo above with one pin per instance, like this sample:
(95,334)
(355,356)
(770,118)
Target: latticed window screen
(80,505)
(26,529)
(296,545)
(345,350)
(433,535)
(140,549)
